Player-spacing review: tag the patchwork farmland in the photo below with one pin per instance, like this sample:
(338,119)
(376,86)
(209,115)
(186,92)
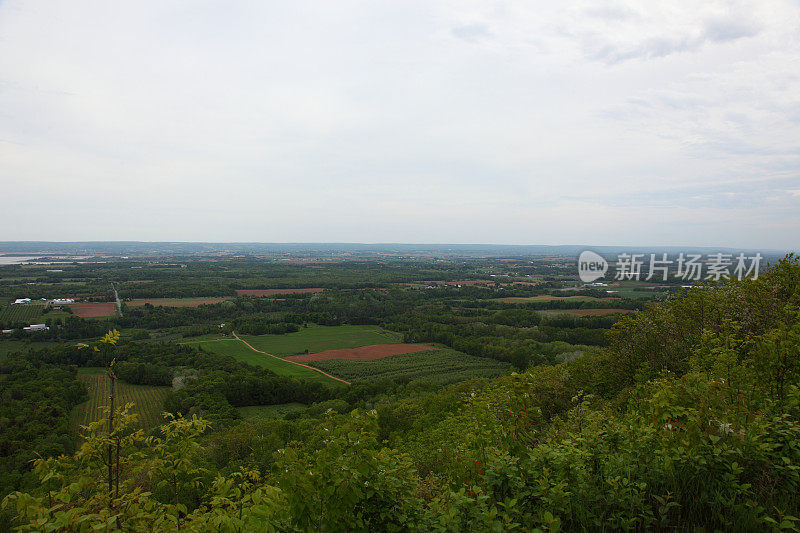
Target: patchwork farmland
(353,354)
(241,352)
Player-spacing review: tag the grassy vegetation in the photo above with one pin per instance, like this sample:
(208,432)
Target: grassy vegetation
(148,400)
(318,338)
(257,412)
(241,352)
(438,367)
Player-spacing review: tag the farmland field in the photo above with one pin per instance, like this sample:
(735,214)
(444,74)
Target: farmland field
(176,302)
(437,367)
(148,400)
(15,313)
(239,351)
(273,292)
(319,338)
(94,310)
(362,353)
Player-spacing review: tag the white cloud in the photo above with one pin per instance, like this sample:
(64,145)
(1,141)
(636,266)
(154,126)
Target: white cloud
(430,121)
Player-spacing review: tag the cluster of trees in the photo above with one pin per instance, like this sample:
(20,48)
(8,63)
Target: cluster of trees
(35,402)
(520,337)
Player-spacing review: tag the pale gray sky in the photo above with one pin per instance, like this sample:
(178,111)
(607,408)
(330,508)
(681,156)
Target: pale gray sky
(618,123)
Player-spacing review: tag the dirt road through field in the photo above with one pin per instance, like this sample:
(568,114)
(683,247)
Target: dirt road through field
(292,362)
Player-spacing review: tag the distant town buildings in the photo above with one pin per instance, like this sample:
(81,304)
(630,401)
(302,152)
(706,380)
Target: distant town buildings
(22,301)
(36,327)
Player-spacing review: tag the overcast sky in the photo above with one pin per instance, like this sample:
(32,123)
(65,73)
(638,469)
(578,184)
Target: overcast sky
(569,122)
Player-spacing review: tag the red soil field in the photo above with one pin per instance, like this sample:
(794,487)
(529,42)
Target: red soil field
(93,310)
(272,292)
(364,353)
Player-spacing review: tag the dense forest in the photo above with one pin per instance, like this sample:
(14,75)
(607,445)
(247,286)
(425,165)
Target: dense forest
(682,416)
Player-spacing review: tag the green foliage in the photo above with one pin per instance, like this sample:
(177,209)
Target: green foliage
(349,484)
(688,420)
(35,402)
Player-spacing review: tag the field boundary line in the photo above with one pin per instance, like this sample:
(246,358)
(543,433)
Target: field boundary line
(291,362)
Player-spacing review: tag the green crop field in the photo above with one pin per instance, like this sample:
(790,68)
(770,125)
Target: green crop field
(318,338)
(15,313)
(256,412)
(148,401)
(437,367)
(239,351)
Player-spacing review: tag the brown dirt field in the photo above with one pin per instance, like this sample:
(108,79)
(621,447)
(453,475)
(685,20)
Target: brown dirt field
(176,302)
(272,292)
(93,310)
(364,353)
(596,312)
